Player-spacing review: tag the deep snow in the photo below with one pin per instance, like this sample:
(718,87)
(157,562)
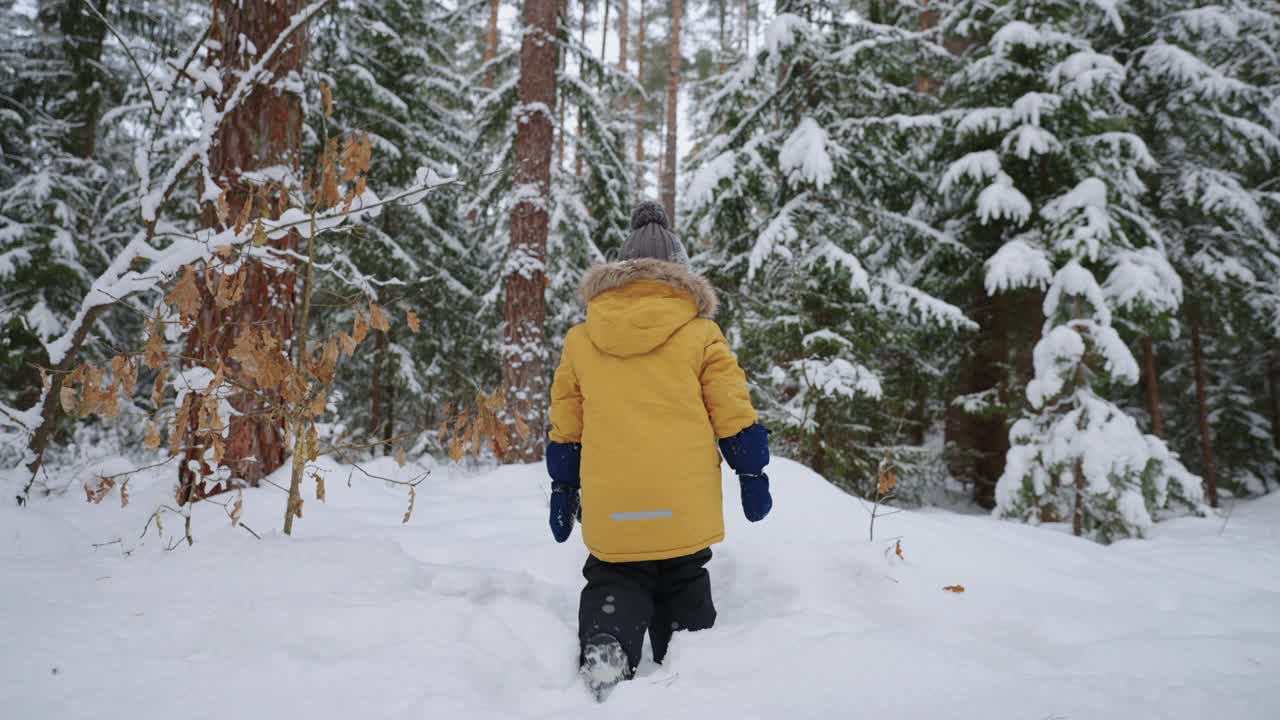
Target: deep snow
(468,611)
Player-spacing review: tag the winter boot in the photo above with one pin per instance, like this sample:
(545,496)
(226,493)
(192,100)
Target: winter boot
(604,664)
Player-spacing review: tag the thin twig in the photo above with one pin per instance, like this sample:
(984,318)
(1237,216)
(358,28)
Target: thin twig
(151,96)
(418,480)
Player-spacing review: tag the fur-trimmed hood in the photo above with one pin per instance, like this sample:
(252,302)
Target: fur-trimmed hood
(634,306)
(602,278)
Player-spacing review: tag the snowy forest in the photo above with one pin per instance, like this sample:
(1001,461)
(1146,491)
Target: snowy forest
(1018,261)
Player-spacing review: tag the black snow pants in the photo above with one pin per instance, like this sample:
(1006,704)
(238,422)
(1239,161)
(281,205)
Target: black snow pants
(626,599)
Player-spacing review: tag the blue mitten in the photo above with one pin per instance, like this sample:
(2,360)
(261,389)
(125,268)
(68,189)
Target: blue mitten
(564,461)
(756,500)
(564,507)
(748,453)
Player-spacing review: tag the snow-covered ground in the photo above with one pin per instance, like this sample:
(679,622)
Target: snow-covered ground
(468,611)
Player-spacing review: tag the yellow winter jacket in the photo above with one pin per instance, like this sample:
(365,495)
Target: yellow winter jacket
(647,384)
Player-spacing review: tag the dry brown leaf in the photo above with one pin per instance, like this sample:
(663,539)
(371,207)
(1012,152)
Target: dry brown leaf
(126,374)
(347,343)
(157,391)
(319,487)
(361,329)
(522,428)
(259,234)
(456,449)
(319,403)
(897,550)
(186,296)
(294,387)
(296,504)
(237,508)
(219,447)
(324,367)
(954,588)
(154,355)
(152,440)
(95,494)
(124,493)
(223,209)
(402,458)
(230,289)
(180,419)
(378,319)
(413,495)
(357,152)
(411,317)
(243,218)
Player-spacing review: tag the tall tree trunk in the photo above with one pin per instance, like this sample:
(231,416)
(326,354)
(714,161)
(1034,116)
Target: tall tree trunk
(582,40)
(264,131)
(376,385)
(744,27)
(1152,386)
(722,11)
(1273,382)
(624,18)
(1209,470)
(668,189)
(525,308)
(640,52)
(82,38)
(491,42)
(604,31)
(389,416)
(560,143)
(1077,513)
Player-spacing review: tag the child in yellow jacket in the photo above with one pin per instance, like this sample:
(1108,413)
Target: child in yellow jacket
(645,390)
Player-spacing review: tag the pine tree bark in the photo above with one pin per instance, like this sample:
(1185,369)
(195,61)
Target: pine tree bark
(491,42)
(1209,470)
(624,19)
(524,310)
(265,130)
(668,189)
(640,52)
(1152,386)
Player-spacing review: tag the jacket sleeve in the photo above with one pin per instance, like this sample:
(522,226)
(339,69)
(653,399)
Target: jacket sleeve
(566,399)
(724,387)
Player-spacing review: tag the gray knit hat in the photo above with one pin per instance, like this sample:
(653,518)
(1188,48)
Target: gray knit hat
(651,236)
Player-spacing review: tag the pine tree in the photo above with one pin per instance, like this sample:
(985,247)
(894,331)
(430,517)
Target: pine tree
(587,213)
(1050,169)
(392,72)
(64,184)
(812,195)
(1204,78)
